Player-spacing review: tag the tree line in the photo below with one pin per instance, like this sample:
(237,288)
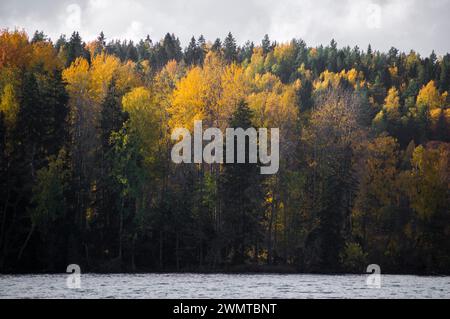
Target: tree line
(86,175)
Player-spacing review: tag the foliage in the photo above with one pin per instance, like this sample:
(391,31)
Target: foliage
(86,174)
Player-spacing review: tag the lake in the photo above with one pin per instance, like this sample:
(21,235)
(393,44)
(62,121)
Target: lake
(232,286)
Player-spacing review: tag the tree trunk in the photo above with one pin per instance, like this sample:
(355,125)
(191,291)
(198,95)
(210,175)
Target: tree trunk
(5,209)
(270,230)
(133,263)
(121,230)
(161,248)
(25,244)
(177,251)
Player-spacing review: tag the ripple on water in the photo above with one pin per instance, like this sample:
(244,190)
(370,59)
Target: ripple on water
(222,286)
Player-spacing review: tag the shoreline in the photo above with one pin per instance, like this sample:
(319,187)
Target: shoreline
(224,272)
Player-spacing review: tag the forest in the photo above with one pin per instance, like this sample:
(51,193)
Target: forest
(86,176)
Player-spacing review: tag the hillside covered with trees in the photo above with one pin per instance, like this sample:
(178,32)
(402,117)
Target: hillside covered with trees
(86,175)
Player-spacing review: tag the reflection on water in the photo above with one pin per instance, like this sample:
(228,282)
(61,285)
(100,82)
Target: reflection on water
(222,286)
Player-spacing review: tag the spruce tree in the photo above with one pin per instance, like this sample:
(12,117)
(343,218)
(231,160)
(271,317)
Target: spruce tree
(266,44)
(192,52)
(201,43)
(217,46)
(230,49)
(241,195)
(75,49)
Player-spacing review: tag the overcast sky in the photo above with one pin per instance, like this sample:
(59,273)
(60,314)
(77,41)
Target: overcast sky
(406,24)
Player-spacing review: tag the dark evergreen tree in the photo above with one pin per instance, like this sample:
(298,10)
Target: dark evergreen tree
(444,79)
(217,46)
(202,42)
(229,48)
(3,165)
(203,50)
(101,40)
(131,52)
(241,196)
(332,56)
(101,43)
(369,50)
(112,119)
(192,53)
(172,47)
(246,52)
(39,36)
(144,49)
(167,49)
(266,44)
(75,49)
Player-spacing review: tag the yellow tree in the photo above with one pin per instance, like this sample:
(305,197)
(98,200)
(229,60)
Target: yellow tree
(213,68)
(45,56)
(274,104)
(256,65)
(284,58)
(328,78)
(235,88)
(392,105)
(77,77)
(429,97)
(378,195)
(146,121)
(430,104)
(9,106)
(427,182)
(379,176)
(188,104)
(136,159)
(15,50)
(83,122)
(88,85)
(426,187)
(102,69)
(162,87)
(197,95)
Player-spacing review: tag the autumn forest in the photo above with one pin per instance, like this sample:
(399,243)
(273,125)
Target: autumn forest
(86,175)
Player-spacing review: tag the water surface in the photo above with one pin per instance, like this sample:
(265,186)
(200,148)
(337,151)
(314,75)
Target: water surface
(222,286)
